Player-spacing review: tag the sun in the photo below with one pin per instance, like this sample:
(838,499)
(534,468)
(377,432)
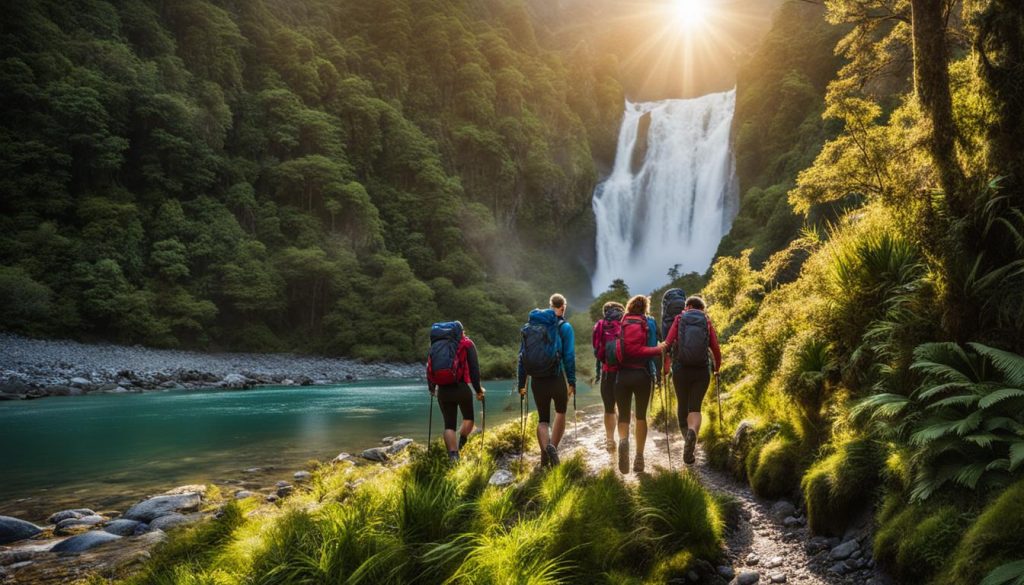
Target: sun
(691,14)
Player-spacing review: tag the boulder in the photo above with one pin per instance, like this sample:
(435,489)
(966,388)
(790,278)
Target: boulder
(84,542)
(398,446)
(284,490)
(15,529)
(192,488)
(153,508)
(242,494)
(302,475)
(58,517)
(74,525)
(80,382)
(501,477)
(124,527)
(375,454)
(174,520)
(344,457)
(844,550)
(725,571)
(747,578)
(782,509)
(236,381)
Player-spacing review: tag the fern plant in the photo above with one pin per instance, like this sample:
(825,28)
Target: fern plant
(1008,574)
(964,423)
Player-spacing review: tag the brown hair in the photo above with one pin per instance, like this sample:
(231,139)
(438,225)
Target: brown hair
(557,301)
(613,305)
(638,305)
(695,302)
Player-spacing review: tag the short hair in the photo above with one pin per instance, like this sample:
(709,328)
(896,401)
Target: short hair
(695,302)
(557,301)
(638,305)
(613,305)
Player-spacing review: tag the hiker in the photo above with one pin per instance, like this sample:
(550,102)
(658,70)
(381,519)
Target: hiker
(692,338)
(547,355)
(637,347)
(606,331)
(452,366)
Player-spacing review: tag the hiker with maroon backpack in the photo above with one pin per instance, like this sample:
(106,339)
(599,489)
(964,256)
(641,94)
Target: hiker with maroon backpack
(606,331)
(452,366)
(694,354)
(632,353)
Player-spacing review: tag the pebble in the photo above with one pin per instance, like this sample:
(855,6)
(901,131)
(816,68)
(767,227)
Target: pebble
(774,563)
(778,578)
(753,559)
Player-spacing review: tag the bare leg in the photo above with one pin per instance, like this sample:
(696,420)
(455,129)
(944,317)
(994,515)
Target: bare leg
(559,429)
(450,441)
(467,428)
(693,421)
(543,438)
(623,430)
(641,435)
(609,425)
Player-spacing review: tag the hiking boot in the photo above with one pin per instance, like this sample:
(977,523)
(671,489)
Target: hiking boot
(689,447)
(624,455)
(609,445)
(552,455)
(453,457)
(638,463)
(544,459)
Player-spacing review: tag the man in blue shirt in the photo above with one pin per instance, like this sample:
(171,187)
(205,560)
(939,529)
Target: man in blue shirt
(558,387)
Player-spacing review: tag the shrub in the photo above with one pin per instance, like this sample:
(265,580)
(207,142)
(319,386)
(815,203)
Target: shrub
(916,542)
(773,469)
(838,486)
(994,539)
(681,513)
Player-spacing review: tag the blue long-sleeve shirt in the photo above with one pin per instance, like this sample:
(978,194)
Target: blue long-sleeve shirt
(568,362)
(653,365)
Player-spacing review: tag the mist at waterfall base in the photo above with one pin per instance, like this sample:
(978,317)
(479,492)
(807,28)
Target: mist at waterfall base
(672,193)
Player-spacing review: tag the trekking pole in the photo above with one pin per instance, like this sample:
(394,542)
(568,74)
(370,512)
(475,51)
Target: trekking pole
(575,421)
(522,430)
(667,400)
(718,391)
(430,419)
(483,419)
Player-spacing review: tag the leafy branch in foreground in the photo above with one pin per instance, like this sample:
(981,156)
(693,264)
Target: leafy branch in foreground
(964,424)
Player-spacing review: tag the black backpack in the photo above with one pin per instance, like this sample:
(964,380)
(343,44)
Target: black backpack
(541,351)
(693,339)
(672,304)
(444,362)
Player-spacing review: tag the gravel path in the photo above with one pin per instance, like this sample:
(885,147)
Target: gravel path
(38,367)
(771,538)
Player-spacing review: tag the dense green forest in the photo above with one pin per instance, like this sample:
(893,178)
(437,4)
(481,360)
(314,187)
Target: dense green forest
(871,295)
(314,175)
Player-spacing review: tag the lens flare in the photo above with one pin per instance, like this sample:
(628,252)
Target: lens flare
(691,14)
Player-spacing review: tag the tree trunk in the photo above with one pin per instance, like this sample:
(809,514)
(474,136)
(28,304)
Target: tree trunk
(931,83)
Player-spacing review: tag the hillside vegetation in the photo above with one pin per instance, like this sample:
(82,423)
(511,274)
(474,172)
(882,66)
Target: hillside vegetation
(311,175)
(875,361)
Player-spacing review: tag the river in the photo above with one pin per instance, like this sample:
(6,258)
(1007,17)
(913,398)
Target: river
(107,451)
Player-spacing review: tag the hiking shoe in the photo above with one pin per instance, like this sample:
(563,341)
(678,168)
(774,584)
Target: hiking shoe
(638,463)
(552,455)
(624,455)
(545,460)
(609,445)
(453,457)
(689,447)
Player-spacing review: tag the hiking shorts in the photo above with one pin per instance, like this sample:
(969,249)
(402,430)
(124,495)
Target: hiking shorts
(691,384)
(547,389)
(608,391)
(630,383)
(455,397)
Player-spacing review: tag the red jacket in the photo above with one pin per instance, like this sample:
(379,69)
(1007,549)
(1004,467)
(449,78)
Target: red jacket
(673,336)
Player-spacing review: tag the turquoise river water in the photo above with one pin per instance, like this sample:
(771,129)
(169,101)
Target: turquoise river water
(108,451)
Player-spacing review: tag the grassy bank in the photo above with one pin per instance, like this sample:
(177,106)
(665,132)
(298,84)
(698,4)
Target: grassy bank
(425,521)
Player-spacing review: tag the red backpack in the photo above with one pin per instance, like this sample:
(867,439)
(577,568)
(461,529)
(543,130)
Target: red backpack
(632,339)
(606,331)
(446,362)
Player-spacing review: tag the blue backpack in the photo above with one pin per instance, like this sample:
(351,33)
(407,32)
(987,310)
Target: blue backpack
(541,352)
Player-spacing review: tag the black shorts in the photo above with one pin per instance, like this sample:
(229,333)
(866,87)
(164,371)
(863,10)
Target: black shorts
(547,389)
(630,383)
(691,384)
(608,391)
(455,397)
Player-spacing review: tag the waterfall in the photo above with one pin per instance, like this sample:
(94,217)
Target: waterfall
(672,193)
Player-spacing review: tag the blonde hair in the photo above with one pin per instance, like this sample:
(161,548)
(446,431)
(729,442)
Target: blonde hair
(638,305)
(557,301)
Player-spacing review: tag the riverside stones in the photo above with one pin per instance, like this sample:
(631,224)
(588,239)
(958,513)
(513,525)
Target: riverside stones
(124,527)
(84,542)
(73,525)
(15,529)
(153,508)
(174,520)
(844,550)
(302,475)
(58,517)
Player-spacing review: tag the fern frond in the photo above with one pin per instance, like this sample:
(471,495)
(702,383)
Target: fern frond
(1008,574)
(997,396)
(1009,364)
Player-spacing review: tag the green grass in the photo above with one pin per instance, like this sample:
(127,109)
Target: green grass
(839,486)
(426,521)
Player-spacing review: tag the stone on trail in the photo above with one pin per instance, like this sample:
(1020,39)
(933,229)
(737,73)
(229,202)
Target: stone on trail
(15,529)
(153,508)
(774,562)
(782,509)
(84,542)
(123,527)
(778,578)
(792,522)
(726,572)
(501,477)
(753,559)
(839,568)
(58,517)
(747,578)
(844,550)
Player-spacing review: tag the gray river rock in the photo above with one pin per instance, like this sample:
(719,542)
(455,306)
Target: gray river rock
(84,542)
(153,508)
(14,529)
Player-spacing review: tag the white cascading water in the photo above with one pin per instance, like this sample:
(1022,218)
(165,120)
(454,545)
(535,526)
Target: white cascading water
(675,206)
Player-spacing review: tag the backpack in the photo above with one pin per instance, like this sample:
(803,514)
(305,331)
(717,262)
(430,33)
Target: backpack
(446,361)
(672,304)
(607,331)
(634,332)
(693,339)
(541,352)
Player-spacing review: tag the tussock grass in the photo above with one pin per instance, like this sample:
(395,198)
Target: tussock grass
(426,521)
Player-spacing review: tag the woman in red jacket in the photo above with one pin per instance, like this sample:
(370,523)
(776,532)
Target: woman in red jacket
(694,353)
(633,380)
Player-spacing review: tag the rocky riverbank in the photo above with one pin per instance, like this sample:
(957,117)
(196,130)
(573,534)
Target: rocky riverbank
(33,368)
(80,542)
